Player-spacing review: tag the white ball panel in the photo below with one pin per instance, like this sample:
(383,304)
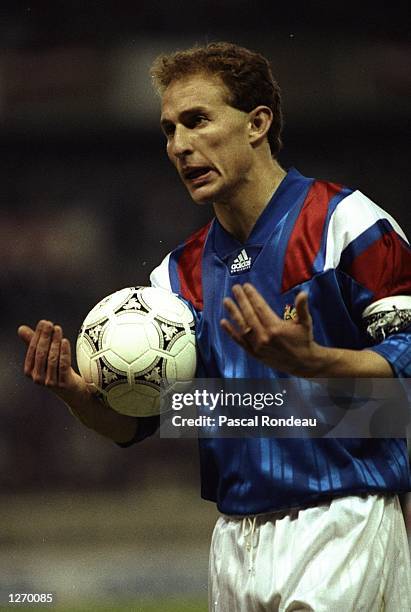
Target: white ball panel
(83,352)
(129,338)
(87,367)
(169,369)
(114,362)
(107,305)
(185,361)
(167,305)
(138,400)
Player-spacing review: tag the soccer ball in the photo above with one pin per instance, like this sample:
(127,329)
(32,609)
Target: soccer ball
(133,341)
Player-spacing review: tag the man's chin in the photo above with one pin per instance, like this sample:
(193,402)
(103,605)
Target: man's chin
(202,198)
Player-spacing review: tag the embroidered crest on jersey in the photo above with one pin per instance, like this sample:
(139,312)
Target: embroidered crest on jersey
(290,313)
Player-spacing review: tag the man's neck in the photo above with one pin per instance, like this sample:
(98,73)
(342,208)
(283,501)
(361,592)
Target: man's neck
(239,215)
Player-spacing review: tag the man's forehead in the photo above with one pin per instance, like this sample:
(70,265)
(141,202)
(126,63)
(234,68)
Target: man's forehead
(195,90)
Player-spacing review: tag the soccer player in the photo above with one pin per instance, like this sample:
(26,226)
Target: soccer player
(294,276)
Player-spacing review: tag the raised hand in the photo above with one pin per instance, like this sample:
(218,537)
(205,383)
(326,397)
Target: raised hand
(48,359)
(287,346)
(48,363)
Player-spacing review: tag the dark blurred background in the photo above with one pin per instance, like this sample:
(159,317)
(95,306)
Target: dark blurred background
(89,204)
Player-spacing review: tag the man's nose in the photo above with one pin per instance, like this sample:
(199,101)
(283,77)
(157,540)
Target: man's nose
(181,144)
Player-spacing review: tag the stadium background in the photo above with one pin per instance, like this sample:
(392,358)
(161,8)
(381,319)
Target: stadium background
(90,204)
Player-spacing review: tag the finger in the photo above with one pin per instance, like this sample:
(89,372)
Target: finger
(65,362)
(265,313)
(247,309)
(236,315)
(25,333)
(54,357)
(303,312)
(31,351)
(233,333)
(42,351)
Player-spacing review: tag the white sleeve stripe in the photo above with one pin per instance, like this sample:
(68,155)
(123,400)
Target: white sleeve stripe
(398,302)
(160,276)
(353,216)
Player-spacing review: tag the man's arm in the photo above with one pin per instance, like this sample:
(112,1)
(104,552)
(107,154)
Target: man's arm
(48,363)
(289,346)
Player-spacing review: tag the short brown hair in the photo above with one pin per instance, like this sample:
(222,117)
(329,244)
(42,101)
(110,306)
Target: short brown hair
(245,73)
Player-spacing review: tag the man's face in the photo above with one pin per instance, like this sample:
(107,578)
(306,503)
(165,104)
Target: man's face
(207,139)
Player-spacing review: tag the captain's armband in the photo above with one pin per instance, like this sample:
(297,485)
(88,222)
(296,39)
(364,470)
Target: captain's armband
(387,316)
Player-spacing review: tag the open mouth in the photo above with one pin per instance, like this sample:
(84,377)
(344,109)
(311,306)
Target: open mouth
(192,174)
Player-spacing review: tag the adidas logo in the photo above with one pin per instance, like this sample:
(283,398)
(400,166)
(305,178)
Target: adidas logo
(241,262)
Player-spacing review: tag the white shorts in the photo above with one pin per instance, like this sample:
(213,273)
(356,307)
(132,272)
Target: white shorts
(347,555)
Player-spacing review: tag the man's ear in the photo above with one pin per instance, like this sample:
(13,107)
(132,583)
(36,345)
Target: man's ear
(260,120)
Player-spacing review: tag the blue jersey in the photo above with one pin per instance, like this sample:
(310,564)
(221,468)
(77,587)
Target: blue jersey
(350,256)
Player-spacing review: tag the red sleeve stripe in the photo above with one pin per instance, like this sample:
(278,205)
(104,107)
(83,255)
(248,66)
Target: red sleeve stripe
(306,237)
(189,267)
(384,267)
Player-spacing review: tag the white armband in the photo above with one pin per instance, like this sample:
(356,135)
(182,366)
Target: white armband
(387,316)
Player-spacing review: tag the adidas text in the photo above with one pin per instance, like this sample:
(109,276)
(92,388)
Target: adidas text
(241,262)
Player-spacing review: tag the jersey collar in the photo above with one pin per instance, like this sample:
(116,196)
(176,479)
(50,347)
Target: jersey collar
(280,203)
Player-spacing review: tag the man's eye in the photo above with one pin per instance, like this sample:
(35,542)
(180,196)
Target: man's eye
(197,120)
